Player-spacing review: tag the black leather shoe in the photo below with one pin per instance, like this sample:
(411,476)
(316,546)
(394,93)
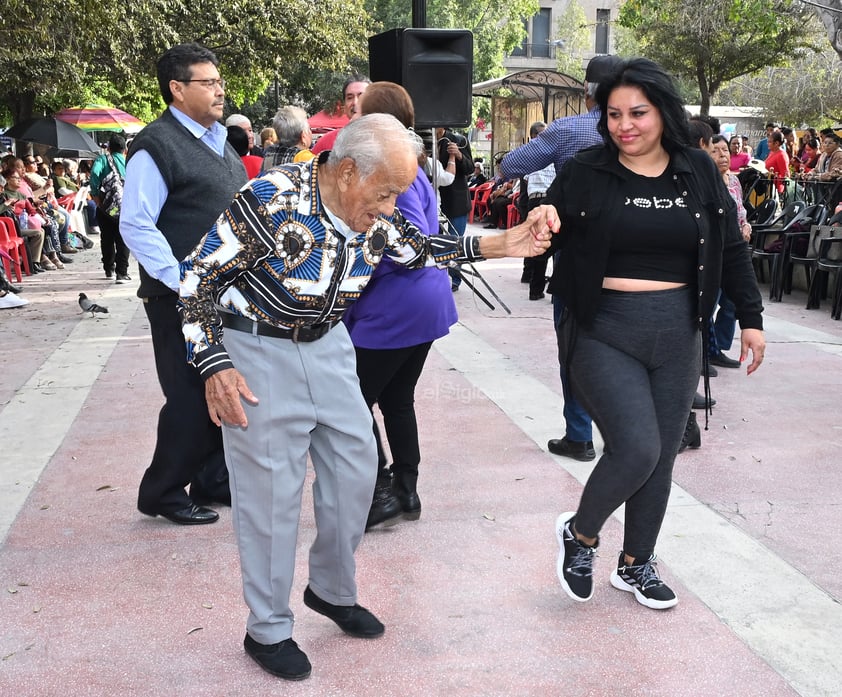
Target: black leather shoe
(410,505)
(699,401)
(536,296)
(354,620)
(385,508)
(283,659)
(723,361)
(35,267)
(191,515)
(64,259)
(583,452)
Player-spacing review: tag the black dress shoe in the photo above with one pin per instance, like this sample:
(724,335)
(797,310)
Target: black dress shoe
(583,452)
(35,267)
(410,505)
(723,361)
(354,620)
(385,508)
(699,401)
(191,515)
(64,259)
(536,296)
(283,659)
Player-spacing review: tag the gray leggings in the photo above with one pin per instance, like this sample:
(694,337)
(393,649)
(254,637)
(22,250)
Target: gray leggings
(635,370)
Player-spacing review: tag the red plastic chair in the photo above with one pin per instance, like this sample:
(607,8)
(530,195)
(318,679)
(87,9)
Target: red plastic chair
(512,212)
(14,246)
(479,207)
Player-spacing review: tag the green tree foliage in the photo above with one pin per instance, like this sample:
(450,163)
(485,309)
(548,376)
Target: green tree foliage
(67,52)
(718,40)
(808,91)
(572,29)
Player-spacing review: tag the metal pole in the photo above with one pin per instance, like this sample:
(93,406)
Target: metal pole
(419,14)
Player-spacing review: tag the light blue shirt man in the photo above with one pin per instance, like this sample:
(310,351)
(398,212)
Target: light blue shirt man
(144,195)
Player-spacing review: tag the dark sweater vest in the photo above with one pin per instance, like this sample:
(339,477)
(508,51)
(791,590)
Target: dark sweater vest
(201,185)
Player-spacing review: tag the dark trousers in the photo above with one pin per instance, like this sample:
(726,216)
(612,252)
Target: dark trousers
(388,377)
(115,253)
(635,370)
(535,268)
(189,445)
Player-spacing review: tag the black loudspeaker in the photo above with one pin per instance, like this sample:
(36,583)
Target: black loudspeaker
(434,65)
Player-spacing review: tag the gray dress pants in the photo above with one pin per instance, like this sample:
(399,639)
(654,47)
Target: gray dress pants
(310,403)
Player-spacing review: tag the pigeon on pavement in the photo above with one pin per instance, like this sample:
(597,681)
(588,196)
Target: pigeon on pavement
(88,306)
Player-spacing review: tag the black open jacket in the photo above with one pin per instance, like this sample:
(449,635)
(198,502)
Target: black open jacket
(594,176)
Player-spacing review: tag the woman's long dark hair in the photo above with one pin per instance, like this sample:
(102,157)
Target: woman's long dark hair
(659,89)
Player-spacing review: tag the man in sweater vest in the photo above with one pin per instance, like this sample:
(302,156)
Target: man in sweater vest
(180,176)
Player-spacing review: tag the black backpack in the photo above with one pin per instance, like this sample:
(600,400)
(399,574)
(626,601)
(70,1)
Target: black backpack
(112,190)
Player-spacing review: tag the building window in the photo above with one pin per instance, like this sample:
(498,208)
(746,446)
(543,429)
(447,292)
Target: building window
(603,19)
(541,33)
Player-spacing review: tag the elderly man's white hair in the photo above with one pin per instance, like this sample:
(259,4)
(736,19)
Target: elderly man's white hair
(237,120)
(368,139)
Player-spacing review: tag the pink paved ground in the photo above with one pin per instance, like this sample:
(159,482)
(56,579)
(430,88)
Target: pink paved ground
(97,599)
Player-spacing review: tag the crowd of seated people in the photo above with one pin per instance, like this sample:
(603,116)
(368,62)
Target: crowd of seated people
(31,189)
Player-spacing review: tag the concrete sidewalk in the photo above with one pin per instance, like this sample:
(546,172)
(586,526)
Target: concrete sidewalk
(96,599)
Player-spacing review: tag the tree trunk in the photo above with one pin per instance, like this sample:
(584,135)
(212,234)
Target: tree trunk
(832,21)
(20,105)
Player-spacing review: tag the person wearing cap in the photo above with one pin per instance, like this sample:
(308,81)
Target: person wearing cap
(555,145)
(477,178)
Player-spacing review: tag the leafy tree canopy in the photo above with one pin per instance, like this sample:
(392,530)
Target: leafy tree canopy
(718,40)
(68,52)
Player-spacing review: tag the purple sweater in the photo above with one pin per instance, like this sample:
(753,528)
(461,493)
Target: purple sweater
(403,307)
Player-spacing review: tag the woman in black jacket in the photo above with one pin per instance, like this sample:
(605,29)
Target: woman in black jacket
(647,233)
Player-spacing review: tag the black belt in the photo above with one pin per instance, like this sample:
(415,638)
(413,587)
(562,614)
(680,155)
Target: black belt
(305,334)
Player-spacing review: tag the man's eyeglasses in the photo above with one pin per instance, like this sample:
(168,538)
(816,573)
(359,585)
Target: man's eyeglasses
(208,82)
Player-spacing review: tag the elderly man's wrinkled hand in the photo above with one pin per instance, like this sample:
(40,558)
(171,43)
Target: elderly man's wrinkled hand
(752,340)
(223,392)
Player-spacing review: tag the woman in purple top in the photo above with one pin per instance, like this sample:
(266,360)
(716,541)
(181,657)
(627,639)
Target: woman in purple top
(393,324)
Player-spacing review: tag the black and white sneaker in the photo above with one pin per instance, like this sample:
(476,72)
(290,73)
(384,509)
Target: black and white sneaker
(575,561)
(644,582)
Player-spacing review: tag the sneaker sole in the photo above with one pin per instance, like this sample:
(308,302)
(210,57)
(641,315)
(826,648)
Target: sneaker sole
(651,603)
(560,522)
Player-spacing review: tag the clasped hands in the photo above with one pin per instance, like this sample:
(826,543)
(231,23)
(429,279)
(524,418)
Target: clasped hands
(532,237)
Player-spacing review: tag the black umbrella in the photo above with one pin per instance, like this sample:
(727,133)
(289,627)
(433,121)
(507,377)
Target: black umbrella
(57,153)
(49,131)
